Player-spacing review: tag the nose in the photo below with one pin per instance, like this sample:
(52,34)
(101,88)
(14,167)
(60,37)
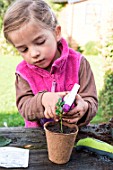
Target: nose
(34,52)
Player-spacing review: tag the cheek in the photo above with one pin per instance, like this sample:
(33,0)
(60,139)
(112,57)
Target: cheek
(51,54)
(52,49)
(25,57)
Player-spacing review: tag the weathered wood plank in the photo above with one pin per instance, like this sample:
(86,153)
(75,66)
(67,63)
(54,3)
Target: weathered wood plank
(37,135)
(34,139)
(101,131)
(80,161)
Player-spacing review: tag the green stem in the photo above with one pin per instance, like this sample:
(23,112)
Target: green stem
(61,126)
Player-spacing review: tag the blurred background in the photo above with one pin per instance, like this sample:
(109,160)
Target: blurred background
(87,25)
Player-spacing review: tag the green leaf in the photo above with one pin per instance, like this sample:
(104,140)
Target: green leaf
(59,111)
(4,141)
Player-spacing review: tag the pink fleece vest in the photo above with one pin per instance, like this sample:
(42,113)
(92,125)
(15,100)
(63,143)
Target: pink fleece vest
(62,77)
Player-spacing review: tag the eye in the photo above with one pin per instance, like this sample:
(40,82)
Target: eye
(40,42)
(24,50)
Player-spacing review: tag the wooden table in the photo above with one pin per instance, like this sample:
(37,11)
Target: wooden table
(34,139)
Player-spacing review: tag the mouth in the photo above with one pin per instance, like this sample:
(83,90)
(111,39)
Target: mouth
(39,61)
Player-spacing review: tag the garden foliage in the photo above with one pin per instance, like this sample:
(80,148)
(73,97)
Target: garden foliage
(106,94)
(91,48)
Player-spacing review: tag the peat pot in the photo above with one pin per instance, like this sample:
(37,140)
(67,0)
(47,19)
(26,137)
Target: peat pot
(60,145)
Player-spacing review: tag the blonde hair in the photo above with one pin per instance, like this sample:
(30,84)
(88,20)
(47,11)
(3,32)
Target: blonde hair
(23,11)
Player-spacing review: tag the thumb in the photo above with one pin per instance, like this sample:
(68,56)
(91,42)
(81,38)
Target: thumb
(62,94)
(78,97)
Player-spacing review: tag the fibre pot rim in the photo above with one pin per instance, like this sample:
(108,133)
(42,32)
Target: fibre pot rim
(58,133)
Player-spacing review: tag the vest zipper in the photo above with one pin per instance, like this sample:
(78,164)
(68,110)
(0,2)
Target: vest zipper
(54,83)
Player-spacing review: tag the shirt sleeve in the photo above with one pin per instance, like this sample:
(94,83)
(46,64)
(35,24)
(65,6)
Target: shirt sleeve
(87,91)
(28,104)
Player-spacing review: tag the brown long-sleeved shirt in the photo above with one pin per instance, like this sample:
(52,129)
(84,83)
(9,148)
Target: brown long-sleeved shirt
(30,107)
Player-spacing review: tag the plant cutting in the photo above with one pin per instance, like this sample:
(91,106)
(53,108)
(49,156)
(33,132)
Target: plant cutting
(66,103)
(59,112)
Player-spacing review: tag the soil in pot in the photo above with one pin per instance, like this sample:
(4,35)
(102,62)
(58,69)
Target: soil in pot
(66,129)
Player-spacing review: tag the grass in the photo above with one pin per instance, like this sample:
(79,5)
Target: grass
(9,115)
(11,119)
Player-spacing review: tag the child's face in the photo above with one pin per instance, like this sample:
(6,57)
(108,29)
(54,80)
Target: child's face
(36,45)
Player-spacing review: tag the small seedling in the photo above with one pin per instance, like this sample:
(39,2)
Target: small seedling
(59,111)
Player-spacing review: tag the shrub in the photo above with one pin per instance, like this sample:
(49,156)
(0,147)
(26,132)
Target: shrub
(107,46)
(6,48)
(106,94)
(91,48)
(108,49)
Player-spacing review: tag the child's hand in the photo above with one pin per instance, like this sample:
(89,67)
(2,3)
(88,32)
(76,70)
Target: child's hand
(74,115)
(49,100)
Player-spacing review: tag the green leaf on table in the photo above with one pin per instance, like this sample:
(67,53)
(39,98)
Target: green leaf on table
(4,141)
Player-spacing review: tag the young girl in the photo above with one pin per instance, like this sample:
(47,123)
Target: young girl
(49,69)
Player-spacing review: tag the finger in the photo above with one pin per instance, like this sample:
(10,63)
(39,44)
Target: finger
(72,112)
(73,118)
(53,110)
(56,118)
(78,97)
(31,117)
(48,113)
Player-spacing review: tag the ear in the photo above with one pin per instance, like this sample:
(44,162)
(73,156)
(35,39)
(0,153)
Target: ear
(58,32)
